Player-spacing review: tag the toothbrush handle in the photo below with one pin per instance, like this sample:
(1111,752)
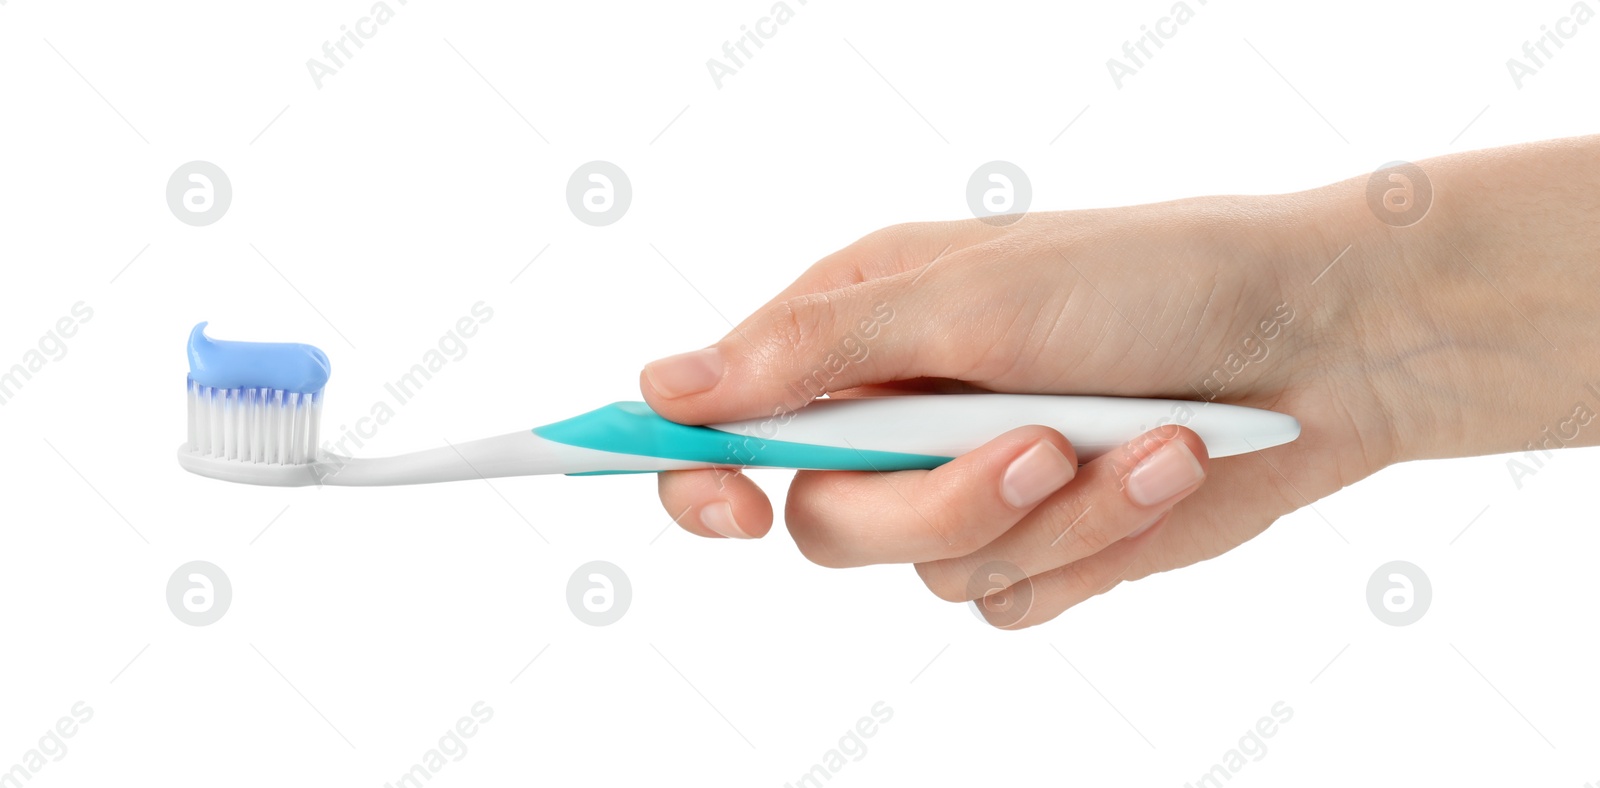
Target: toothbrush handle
(906,432)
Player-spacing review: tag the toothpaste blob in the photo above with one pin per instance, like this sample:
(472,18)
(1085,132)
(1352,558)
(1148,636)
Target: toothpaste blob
(274,365)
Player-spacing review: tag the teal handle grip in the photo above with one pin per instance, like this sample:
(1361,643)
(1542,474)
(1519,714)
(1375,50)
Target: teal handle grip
(633,428)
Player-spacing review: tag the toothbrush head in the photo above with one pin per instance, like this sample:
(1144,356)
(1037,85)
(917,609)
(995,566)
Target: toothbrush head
(255,410)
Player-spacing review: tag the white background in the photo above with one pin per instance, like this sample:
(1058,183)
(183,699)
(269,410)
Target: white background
(409,187)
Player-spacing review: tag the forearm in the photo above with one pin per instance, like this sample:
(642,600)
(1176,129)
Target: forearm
(1475,326)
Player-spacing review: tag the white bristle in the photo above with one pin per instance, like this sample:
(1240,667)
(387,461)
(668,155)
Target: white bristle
(255,425)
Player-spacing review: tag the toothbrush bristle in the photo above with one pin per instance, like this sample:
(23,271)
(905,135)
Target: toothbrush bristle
(254,425)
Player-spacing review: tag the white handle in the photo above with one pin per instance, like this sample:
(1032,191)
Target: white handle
(948,425)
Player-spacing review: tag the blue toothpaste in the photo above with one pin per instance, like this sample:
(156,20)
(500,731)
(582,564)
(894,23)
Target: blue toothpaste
(276,365)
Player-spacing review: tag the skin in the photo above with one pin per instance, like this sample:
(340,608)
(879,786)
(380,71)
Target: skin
(1468,332)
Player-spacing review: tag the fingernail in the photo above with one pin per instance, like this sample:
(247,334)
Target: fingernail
(685,373)
(1161,476)
(1036,474)
(719,518)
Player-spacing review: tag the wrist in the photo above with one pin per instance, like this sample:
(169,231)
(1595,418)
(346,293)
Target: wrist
(1468,331)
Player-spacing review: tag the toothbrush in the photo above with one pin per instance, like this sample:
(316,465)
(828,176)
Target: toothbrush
(255,410)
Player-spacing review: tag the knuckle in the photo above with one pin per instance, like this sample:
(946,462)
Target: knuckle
(946,503)
(943,582)
(820,551)
(799,323)
(808,526)
(1032,619)
(891,236)
(1011,609)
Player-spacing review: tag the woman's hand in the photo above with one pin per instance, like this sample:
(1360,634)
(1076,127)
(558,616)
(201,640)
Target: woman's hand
(1306,304)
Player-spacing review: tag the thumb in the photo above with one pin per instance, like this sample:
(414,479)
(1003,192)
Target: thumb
(794,350)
